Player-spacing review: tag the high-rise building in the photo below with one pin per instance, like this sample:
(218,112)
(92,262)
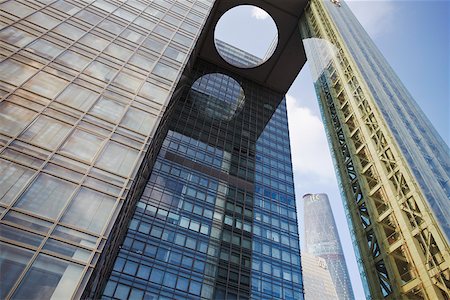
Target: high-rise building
(393,167)
(92,90)
(317,279)
(217,218)
(321,239)
(135,162)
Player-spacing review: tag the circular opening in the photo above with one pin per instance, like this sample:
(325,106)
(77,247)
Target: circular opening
(246,36)
(217,96)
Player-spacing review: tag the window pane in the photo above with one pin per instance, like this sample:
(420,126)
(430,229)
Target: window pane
(46,132)
(45,48)
(139,120)
(152,92)
(48,278)
(89,210)
(165,71)
(73,60)
(77,97)
(100,71)
(117,159)
(108,109)
(13,178)
(82,145)
(14,118)
(14,72)
(12,262)
(46,196)
(46,85)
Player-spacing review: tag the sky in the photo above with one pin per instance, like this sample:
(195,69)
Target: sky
(414,37)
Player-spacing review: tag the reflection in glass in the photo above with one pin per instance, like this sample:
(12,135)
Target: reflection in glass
(49,278)
(218,96)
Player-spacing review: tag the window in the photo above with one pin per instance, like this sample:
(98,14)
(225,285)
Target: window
(77,97)
(139,120)
(82,145)
(15,72)
(153,92)
(117,158)
(46,132)
(89,210)
(12,262)
(108,109)
(46,196)
(48,278)
(14,118)
(165,71)
(73,60)
(45,48)
(13,178)
(46,85)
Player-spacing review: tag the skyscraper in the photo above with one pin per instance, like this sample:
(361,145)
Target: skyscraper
(322,240)
(210,189)
(393,167)
(93,93)
(317,280)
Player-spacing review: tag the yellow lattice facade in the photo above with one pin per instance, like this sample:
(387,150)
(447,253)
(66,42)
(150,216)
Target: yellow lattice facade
(403,251)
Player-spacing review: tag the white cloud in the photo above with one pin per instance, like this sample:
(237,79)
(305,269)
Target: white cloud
(377,17)
(309,146)
(259,13)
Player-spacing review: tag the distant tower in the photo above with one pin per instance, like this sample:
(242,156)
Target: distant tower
(322,240)
(317,280)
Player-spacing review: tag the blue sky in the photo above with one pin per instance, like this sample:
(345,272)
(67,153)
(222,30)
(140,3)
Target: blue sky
(414,37)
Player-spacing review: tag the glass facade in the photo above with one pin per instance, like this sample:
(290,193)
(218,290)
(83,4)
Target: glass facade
(322,240)
(217,217)
(83,86)
(393,166)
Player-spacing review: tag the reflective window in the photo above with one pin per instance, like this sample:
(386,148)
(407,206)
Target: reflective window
(153,92)
(89,210)
(46,196)
(77,97)
(46,132)
(82,145)
(13,178)
(45,48)
(15,72)
(48,278)
(14,118)
(139,120)
(108,109)
(117,158)
(12,262)
(218,95)
(15,36)
(45,84)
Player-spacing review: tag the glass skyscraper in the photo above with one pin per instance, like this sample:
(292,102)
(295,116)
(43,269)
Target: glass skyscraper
(393,167)
(130,168)
(217,218)
(321,239)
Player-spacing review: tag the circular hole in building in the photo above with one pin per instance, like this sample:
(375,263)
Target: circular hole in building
(217,96)
(246,36)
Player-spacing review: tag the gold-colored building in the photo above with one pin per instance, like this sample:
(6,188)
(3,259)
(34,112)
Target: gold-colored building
(393,167)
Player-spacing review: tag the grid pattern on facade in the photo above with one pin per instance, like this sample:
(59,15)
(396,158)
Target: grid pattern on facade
(83,87)
(220,197)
